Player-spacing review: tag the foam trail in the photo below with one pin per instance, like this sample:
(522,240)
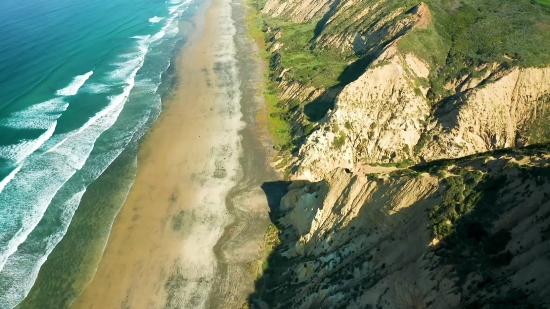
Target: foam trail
(8,178)
(155,19)
(22,150)
(108,115)
(37,116)
(72,151)
(70,156)
(39,188)
(25,239)
(73,87)
(96,88)
(22,273)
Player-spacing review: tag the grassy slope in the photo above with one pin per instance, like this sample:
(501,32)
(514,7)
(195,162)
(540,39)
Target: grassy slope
(308,65)
(464,36)
(279,129)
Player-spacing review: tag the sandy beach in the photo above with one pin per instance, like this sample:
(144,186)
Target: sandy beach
(196,214)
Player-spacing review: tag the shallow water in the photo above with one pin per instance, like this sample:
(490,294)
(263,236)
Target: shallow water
(81,81)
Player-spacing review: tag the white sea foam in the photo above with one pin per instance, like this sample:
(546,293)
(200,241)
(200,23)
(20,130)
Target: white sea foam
(37,116)
(73,87)
(8,178)
(22,267)
(22,150)
(71,151)
(96,88)
(177,5)
(63,160)
(127,68)
(155,19)
(25,199)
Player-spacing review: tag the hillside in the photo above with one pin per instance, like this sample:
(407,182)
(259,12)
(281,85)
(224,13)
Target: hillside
(416,134)
(467,233)
(392,81)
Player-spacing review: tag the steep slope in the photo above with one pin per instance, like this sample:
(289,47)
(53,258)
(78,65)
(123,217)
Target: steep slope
(472,232)
(419,151)
(386,81)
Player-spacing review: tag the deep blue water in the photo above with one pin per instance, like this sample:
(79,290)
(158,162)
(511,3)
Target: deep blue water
(79,84)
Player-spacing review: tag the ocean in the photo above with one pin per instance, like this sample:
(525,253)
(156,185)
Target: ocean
(80,83)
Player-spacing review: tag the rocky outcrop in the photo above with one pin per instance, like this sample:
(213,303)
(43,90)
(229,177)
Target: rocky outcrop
(377,118)
(494,115)
(298,11)
(358,240)
(446,233)
(384,115)
(349,24)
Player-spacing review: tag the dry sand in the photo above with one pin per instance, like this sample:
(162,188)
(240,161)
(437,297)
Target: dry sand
(200,171)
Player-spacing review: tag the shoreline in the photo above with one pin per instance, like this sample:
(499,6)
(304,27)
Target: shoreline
(183,237)
(242,244)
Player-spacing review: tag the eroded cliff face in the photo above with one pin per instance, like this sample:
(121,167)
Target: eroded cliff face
(377,118)
(384,114)
(364,240)
(449,232)
(497,114)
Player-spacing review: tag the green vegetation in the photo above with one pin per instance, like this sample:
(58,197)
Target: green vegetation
(279,128)
(308,65)
(427,44)
(464,36)
(434,167)
(464,220)
(271,242)
(461,39)
(308,129)
(405,173)
(424,137)
(539,131)
(458,199)
(340,140)
(403,164)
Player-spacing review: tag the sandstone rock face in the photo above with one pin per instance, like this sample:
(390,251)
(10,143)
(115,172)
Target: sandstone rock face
(377,118)
(350,24)
(356,236)
(494,116)
(364,242)
(298,11)
(384,116)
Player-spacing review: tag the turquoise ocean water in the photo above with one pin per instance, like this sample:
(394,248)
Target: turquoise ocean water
(80,82)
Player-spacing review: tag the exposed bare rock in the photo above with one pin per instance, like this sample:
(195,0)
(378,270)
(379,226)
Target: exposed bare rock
(362,241)
(491,116)
(382,116)
(298,11)
(358,229)
(377,118)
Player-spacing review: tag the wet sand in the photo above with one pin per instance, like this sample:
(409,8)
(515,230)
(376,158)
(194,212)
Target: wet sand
(196,214)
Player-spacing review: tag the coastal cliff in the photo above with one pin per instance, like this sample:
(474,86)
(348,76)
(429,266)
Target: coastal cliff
(417,144)
(473,233)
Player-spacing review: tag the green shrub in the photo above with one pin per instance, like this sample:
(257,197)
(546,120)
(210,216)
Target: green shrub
(339,141)
(458,199)
(308,129)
